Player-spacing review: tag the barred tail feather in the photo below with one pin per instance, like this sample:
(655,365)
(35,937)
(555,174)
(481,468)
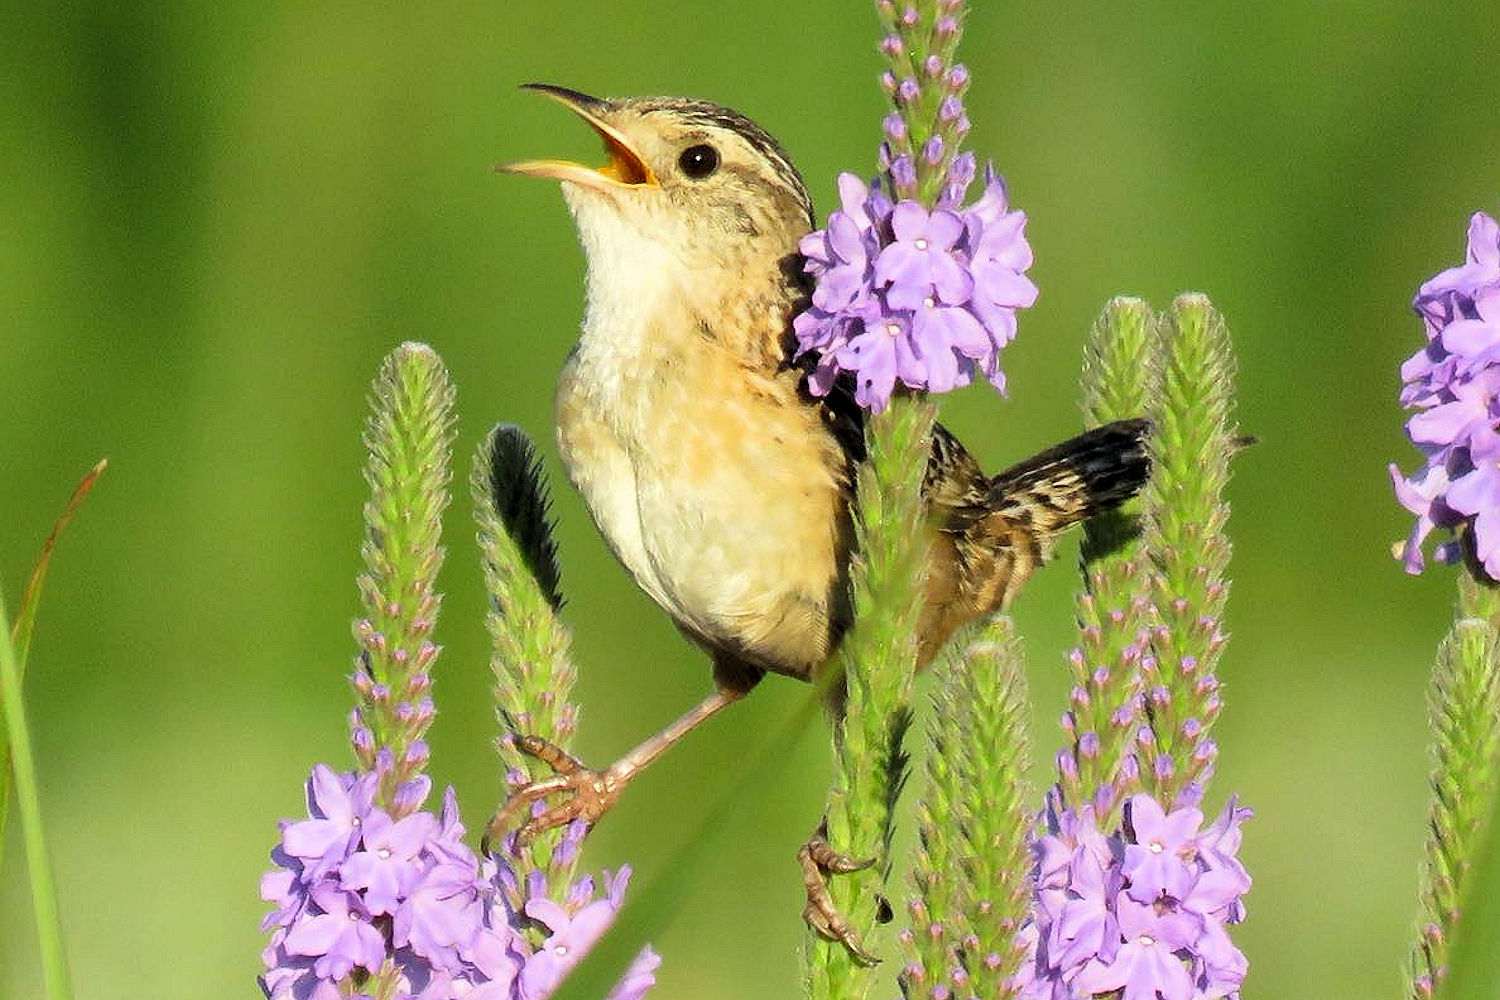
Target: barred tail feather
(1086,475)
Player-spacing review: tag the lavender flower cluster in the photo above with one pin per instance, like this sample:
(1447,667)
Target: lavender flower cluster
(924,297)
(360,895)
(1454,384)
(1142,910)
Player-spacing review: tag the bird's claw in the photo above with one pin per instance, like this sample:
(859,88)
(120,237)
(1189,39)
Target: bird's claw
(591,794)
(819,860)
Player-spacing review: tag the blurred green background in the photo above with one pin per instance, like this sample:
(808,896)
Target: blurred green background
(215,220)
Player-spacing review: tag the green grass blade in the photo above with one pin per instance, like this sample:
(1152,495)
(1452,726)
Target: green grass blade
(20,634)
(31,599)
(43,892)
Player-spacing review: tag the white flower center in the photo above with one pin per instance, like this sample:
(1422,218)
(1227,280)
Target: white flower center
(384,854)
(561,950)
(1147,940)
(355,821)
(894,329)
(921,244)
(929,302)
(1155,848)
(353,915)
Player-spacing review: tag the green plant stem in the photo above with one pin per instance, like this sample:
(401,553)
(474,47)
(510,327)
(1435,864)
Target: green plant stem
(936,914)
(876,662)
(408,438)
(23,766)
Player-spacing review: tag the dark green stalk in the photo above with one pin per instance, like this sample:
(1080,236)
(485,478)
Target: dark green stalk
(936,911)
(877,658)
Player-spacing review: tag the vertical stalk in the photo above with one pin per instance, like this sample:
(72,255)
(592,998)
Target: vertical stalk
(876,661)
(22,627)
(39,866)
(996,807)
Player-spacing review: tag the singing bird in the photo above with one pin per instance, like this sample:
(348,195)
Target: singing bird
(720,482)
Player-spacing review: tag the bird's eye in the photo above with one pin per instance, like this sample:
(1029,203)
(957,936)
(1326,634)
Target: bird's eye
(699,161)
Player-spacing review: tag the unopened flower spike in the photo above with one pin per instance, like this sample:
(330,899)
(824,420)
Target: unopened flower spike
(408,438)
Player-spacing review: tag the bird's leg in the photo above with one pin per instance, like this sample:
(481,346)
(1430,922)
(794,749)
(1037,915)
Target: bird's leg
(819,860)
(592,793)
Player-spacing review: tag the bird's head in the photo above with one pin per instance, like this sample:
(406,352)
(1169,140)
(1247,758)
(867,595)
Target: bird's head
(684,179)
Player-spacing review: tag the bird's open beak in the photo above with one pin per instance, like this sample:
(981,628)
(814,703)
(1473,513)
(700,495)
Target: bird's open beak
(625,168)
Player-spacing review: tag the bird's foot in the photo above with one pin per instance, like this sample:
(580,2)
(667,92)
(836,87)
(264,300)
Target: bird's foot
(590,794)
(819,860)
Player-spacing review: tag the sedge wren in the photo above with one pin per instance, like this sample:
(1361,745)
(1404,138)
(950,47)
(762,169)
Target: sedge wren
(719,481)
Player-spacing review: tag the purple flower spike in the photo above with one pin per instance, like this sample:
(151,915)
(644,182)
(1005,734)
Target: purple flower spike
(414,898)
(1143,910)
(941,281)
(1453,383)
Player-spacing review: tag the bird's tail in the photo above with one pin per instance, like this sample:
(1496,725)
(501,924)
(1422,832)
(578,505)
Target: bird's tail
(1094,472)
(1005,526)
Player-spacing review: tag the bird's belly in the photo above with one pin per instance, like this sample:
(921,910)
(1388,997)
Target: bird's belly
(732,531)
(745,564)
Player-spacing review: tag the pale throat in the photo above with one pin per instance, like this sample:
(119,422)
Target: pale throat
(642,293)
